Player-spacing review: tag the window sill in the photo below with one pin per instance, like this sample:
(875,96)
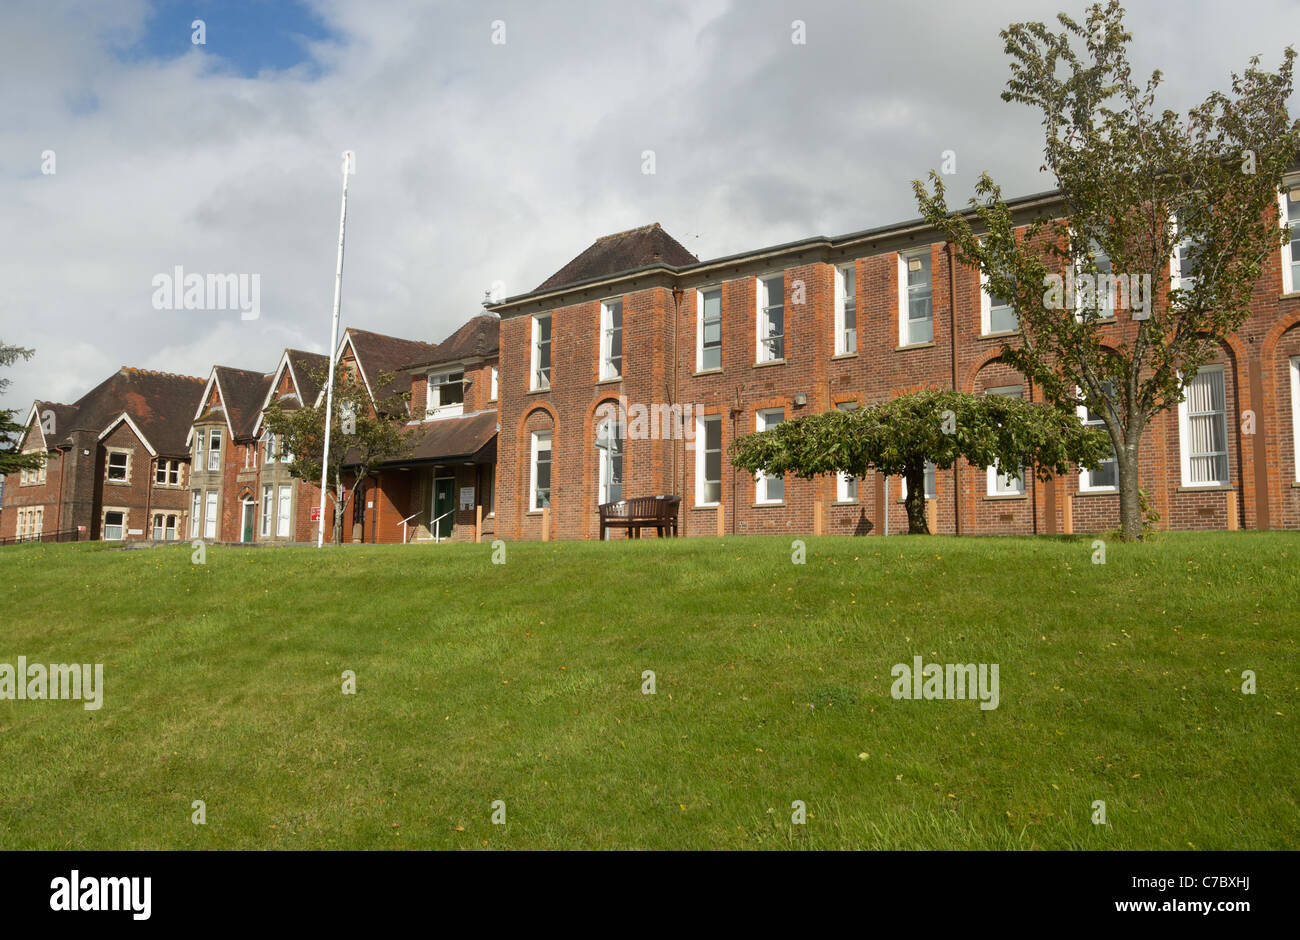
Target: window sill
(535,512)
(1000,497)
(847,502)
(1106,491)
(769,362)
(610,381)
(538,391)
(717,371)
(117,482)
(929,345)
(1206,488)
(1289,295)
(852,355)
(1004,334)
(779,502)
(711,507)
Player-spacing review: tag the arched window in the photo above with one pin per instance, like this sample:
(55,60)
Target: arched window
(611,433)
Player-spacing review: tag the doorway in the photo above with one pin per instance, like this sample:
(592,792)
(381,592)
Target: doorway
(247,527)
(444,504)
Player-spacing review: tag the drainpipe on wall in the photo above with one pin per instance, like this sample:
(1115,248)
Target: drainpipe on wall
(952,332)
(677,312)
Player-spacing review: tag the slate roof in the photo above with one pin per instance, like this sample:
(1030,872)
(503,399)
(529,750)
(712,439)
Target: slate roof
(622,251)
(242,393)
(478,338)
(305,365)
(472,437)
(160,404)
(378,353)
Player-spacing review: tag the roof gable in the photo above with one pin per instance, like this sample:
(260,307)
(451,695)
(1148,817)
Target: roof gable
(622,251)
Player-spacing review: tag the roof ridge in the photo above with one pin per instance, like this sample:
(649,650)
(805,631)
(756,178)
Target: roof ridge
(639,228)
(136,370)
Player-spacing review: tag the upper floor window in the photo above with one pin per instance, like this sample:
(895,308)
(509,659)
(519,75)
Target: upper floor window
(769,489)
(611,339)
(446,393)
(168,473)
(1289,203)
(771,318)
(996,313)
(708,330)
(540,368)
(214,449)
(495,391)
(200,437)
(846,310)
(916,293)
(1184,261)
(1095,293)
(1203,426)
(118,466)
(32,476)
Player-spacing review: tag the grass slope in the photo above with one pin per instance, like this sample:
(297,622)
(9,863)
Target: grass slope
(522,682)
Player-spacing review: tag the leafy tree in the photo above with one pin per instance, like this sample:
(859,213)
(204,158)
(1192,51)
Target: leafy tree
(12,459)
(1135,184)
(898,437)
(361,437)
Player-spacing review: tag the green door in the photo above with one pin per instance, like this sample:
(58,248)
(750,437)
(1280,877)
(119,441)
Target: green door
(248,521)
(444,501)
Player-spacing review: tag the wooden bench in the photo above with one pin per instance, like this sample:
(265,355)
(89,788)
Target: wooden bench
(657,512)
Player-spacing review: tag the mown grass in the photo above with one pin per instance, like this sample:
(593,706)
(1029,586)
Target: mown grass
(522,682)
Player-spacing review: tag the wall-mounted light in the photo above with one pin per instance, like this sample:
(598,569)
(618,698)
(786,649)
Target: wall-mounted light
(800,399)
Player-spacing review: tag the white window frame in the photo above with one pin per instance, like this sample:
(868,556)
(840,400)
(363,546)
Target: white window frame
(762,319)
(608,368)
(762,481)
(536,381)
(846,485)
(283,511)
(434,407)
(210,514)
(699,329)
(1106,309)
(169,470)
(535,447)
(126,466)
(605,458)
(1289,285)
(846,343)
(1085,475)
(997,483)
(214,448)
(196,513)
(121,536)
(702,459)
(928,482)
(904,305)
(986,310)
(494,389)
(1184,433)
(1295,415)
(268,504)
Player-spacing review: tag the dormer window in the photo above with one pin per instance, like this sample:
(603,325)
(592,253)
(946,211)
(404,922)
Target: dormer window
(446,394)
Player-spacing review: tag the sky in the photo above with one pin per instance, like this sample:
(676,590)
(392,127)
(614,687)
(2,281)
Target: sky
(494,142)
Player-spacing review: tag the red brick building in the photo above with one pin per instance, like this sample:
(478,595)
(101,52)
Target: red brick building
(692,354)
(117,464)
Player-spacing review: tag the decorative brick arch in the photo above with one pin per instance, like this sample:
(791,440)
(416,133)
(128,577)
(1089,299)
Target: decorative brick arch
(523,450)
(590,482)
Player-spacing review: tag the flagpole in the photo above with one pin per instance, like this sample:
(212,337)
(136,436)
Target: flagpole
(334,342)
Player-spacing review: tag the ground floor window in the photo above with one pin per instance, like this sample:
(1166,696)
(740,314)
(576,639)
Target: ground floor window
(164,527)
(284,512)
(1203,426)
(609,455)
(539,478)
(769,489)
(708,461)
(196,513)
(999,483)
(114,525)
(210,516)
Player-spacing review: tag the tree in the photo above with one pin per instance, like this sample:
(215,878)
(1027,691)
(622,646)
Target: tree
(361,437)
(900,436)
(12,459)
(1137,185)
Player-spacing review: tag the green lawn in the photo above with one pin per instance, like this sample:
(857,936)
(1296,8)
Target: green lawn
(522,682)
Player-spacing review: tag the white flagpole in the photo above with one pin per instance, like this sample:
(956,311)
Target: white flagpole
(334,342)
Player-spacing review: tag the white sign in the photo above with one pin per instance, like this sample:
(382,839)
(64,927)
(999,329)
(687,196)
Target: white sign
(467,497)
